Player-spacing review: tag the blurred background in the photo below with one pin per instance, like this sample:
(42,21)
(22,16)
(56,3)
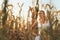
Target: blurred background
(22,20)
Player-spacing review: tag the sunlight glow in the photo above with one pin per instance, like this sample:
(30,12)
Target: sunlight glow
(26,5)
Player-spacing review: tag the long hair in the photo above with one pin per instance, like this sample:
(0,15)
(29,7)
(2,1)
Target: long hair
(41,12)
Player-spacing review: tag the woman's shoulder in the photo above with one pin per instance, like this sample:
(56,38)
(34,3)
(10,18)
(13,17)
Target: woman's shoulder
(47,23)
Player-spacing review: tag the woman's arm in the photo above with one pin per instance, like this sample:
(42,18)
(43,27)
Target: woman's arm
(34,25)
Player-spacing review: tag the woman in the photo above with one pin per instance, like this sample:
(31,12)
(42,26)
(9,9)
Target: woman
(43,24)
(43,21)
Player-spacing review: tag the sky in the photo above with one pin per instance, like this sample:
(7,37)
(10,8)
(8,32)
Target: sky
(26,5)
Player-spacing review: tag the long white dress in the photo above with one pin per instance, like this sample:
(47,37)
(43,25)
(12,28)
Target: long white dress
(38,37)
(40,25)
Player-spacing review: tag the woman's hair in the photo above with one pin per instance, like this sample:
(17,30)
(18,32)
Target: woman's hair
(41,12)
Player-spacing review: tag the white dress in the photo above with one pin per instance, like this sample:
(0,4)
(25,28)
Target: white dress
(38,37)
(40,25)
